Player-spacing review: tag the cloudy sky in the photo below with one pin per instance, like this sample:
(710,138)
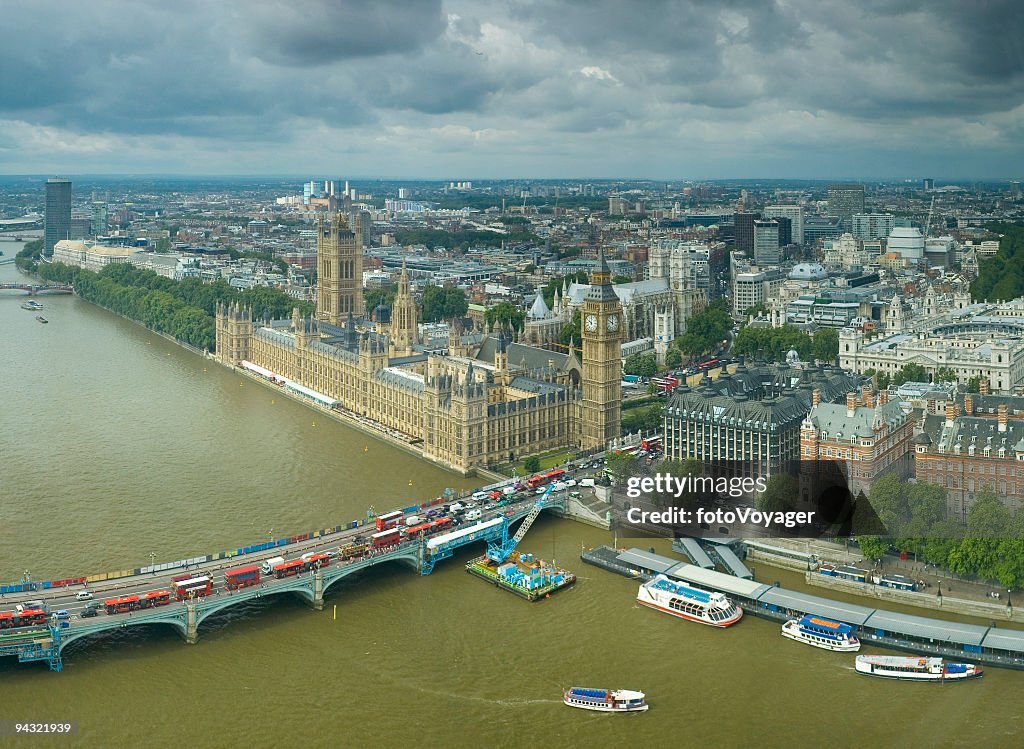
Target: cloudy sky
(461,89)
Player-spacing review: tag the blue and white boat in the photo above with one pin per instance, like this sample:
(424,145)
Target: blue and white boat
(686,602)
(605,700)
(822,633)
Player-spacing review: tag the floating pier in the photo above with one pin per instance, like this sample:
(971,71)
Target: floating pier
(522,574)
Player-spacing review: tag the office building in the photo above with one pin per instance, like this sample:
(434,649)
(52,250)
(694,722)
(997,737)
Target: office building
(844,201)
(57,221)
(872,225)
(795,214)
(744,224)
(978,443)
(766,243)
(751,418)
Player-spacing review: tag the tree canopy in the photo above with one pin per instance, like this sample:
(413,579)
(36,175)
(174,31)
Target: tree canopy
(505,314)
(706,330)
(1001,277)
(443,303)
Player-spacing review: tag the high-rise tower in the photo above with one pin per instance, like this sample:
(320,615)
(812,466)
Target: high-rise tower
(844,201)
(601,317)
(339,268)
(57,220)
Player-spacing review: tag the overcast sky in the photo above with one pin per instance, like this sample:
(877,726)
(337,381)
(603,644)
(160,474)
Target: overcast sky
(468,89)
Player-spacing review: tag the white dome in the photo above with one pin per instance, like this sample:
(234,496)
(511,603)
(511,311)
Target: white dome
(808,272)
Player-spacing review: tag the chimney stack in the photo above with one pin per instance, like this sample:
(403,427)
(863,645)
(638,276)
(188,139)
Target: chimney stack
(883,397)
(815,397)
(1001,411)
(851,403)
(984,386)
(969,404)
(950,414)
(867,397)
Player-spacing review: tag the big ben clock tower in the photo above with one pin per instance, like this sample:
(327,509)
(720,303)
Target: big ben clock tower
(601,320)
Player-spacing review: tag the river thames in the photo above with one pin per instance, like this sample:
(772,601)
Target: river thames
(117,444)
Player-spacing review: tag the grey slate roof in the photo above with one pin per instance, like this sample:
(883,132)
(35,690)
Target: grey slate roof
(981,432)
(522,356)
(832,418)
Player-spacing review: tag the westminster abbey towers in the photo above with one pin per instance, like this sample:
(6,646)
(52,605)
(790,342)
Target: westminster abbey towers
(339,270)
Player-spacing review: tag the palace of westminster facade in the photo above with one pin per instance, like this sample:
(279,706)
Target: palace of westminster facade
(469,407)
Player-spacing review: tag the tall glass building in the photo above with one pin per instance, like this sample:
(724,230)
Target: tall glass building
(57,221)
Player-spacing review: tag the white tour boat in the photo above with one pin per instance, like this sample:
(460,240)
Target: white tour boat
(915,668)
(678,599)
(605,700)
(822,633)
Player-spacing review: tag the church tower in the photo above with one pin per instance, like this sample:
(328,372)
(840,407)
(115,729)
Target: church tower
(339,269)
(403,316)
(601,317)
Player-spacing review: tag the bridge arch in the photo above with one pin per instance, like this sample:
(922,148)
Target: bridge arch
(75,634)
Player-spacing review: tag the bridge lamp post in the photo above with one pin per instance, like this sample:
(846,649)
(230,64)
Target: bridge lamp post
(152,562)
(271,534)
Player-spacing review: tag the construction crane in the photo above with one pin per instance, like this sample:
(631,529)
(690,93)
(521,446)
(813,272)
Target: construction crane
(500,550)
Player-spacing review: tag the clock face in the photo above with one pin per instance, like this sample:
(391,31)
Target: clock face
(613,323)
(591,323)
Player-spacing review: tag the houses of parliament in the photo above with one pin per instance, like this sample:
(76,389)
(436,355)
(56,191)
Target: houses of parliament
(474,404)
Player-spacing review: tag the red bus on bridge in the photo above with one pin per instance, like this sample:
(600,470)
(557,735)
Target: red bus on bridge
(543,479)
(192,587)
(386,538)
(156,598)
(122,604)
(287,569)
(242,577)
(316,560)
(11,619)
(388,520)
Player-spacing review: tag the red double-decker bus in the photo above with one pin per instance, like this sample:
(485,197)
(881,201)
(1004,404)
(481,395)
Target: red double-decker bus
(192,587)
(388,520)
(386,538)
(242,577)
(288,569)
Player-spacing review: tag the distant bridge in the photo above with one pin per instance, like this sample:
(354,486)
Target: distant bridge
(34,289)
(46,642)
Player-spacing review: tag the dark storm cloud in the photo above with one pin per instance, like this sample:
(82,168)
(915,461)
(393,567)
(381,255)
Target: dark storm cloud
(598,79)
(321,32)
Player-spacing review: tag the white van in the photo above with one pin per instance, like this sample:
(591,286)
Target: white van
(473,515)
(83,595)
(479,496)
(587,482)
(455,507)
(268,566)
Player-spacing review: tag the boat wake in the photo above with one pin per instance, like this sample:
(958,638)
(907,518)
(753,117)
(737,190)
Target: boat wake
(504,702)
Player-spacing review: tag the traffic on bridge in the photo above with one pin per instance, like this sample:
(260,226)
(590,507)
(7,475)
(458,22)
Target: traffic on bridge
(37,625)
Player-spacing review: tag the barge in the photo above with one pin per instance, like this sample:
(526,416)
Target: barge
(522,574)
